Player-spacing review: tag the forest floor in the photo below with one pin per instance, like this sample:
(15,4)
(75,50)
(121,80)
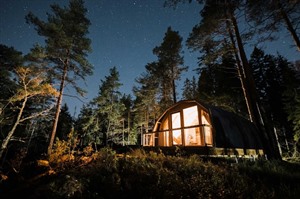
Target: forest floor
(140,174)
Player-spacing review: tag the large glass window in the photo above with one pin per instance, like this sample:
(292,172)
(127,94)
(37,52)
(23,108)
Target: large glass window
(186,128)
(190,116)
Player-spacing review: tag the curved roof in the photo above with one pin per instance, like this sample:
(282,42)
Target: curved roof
(233,131)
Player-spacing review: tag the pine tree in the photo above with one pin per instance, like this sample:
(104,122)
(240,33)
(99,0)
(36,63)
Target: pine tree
(219,23)
(190,89)
(87,126)
(32,83)
(146,107)
(109,108)
(66,47)
(9,60)
(169,66)
(129,136)
(273,15)
(291,100)
(65,123)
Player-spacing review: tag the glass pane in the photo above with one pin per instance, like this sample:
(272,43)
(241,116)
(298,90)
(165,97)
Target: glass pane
(192,136)
(176,120)
(190,116)
(177,137)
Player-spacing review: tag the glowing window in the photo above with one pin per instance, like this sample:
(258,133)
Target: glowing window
(176,120)
(192,136)
(177,137)
(190,116)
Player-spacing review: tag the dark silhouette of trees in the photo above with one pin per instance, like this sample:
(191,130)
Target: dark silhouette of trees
(190,89)
(65,123)
(220,23)
(274,76)
(273,15)
(169,66)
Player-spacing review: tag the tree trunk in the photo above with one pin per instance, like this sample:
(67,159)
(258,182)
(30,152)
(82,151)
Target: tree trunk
(147,118)
(11,132)
(289,25)
(174,91)
(248,77)
(241,72)
(173,86)
(58,106)
(254,105)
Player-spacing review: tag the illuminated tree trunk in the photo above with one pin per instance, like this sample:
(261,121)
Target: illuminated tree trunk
(31,83)
(58,106)
(11,132)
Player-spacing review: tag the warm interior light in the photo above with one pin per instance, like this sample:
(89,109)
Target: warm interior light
(177,137)
(192,133)
(176,120)
(190,116)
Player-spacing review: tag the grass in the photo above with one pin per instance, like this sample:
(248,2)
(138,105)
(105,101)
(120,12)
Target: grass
(140,174)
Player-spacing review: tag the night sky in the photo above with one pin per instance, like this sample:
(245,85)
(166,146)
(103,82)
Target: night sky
(123,34)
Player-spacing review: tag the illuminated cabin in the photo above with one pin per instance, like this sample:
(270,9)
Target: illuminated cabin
(204,129)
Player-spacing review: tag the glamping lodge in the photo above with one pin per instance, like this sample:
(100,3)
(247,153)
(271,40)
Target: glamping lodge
(206,130)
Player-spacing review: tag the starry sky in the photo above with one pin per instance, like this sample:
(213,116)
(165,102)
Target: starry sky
(123,34)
